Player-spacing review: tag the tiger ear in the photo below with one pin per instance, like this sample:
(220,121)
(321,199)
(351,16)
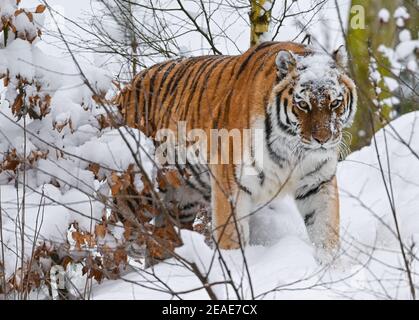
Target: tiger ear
(285,62)
(341,57)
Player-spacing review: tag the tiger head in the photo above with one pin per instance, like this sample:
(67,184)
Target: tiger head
(314,99)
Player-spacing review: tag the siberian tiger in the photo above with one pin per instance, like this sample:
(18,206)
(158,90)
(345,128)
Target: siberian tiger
(299,99)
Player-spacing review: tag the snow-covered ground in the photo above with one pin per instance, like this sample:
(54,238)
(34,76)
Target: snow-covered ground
(60,189)
(368,266)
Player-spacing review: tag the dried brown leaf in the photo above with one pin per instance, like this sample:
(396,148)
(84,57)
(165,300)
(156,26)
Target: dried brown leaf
(40,8)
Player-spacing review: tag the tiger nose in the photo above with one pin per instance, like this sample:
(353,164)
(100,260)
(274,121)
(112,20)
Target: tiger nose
(321,136)
(320,140)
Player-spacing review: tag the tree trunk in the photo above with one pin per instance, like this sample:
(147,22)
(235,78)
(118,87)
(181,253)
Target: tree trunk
(260,17)
(362,44)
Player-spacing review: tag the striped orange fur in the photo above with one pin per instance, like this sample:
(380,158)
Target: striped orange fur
(235,92)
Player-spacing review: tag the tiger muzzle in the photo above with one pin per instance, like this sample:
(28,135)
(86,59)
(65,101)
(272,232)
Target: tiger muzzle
(321,134)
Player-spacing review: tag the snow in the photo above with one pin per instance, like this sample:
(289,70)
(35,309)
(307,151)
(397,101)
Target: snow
(406,48)
(403,56)
(76,196)
(392,101)
(391,83)
(266,6)
(286,266)
(316,68)
(118,150)
(412,65)
(405,35)
(265,36)
(384,15)
(17,57)
(24,25)
(401,12)
(7,8)
(374,74)
(56,211)
(59,187)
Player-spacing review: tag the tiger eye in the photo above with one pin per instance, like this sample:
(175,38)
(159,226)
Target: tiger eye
(335,104)
(303,105)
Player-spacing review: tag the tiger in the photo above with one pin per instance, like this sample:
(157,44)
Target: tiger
(300,100)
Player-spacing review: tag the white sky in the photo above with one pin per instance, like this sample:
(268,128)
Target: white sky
(322,25)
(79,10)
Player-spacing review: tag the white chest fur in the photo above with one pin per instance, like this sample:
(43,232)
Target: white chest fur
(268,178)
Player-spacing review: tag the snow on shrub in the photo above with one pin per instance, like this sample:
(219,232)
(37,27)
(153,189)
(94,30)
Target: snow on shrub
(397,75)
(60,160)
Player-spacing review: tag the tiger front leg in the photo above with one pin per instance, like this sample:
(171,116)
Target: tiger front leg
(319,205)
(230,210)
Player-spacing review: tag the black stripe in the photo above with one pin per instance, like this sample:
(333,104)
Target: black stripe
(183,217)
(186,72)
(206,189)
(261,176)
(157,101)
(309,218)
(314,190)
(268,131)
(187,66)
(286,128)
(263,63)
(250,56)
(242,187)
(126,100)
(153,79)
(223,71)
(204,85)
(192,73)
(137,95)
(175,76)
(187,182)
(285,106)
(164,78)
(197,176)
(350,102)
(224,110)
(317,168)
(208,76)
(294,113)
(194,84)
(189,206)
(148,105)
